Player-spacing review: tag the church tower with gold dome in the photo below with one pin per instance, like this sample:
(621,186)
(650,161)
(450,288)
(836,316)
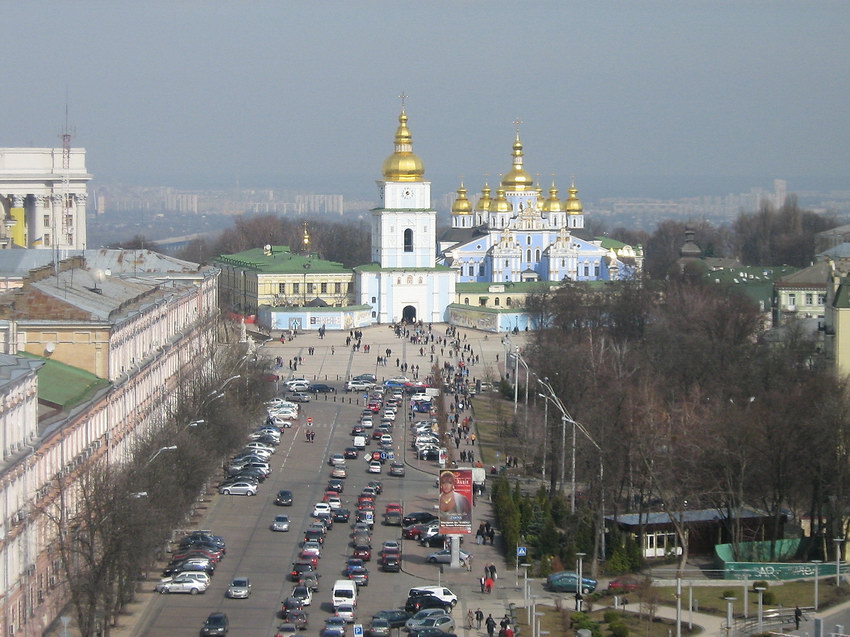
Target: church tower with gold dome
(404,282)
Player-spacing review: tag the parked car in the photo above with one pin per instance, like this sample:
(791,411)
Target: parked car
(627,583)
(182,584)
(443,623)
(335,626)
(421,615)
(300,397)
(359,574)
(311,580)
(567,582)
(347,612)
(215,624)
(239,488)
(240,588)
(391,563)
(419,517)
(379,627)
(321,507)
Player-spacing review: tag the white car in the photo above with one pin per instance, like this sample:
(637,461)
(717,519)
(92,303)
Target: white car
(337,460)
(445,557)
(282,421)
(440,592)
(239,488)
(182,585)
(374,467)
(311,548)
(280,523)
(358,385)
(387,439)
(339,471)
(335,502)
(321,507)
(240,588)
(297,381)
(346,612)
(200,576)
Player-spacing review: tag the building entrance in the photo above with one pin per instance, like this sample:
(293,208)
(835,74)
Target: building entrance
(408,314)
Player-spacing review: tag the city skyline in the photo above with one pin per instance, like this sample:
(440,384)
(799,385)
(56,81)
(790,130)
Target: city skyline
(628,99)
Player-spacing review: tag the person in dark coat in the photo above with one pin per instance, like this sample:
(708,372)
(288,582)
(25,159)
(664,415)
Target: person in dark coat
(491,625)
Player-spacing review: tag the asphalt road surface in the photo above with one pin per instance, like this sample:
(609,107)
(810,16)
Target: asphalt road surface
(254,551)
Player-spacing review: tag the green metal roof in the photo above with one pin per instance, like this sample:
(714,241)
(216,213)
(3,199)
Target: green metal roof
(754,282)
(280,261)
(519,287)
(842,296)
(63,385)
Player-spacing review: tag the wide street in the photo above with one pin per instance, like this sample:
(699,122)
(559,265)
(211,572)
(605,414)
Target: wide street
(254,551)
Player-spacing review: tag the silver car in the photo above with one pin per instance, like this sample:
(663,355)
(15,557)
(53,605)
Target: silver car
(182,585)
(427,613)
(240,588)
(445,557)
(280,523)
(239,488)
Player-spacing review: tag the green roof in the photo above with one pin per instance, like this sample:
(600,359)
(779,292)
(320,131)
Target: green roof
(842,296)
(518,287)
(376,267)
(754,282)
(280,261)
(63,385)
(611,244)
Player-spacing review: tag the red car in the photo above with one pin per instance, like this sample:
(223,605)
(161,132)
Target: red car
(415,531)
(627,583)
(393,506)
(311,558)
(212,555)
(363,552)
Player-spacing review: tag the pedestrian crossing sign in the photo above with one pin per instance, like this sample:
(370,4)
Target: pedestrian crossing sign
(521,551)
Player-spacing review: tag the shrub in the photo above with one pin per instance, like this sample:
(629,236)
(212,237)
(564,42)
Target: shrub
(611,616)
(769,597)
(619,629)
(760,584)
(727,593)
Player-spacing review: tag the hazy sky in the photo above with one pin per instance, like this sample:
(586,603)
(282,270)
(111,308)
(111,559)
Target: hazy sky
(304,94)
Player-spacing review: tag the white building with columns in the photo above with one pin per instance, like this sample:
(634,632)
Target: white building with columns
(43,198)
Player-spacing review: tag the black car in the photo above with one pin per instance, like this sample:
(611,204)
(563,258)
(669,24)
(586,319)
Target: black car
(252,472)
(341,515)
(418,517)
(298,568)
(335,485)
(284,498)
(377,485)
(351,453)
(391,564)
(435,541)
(321,388)
(418,602)
(216,624)
(396,618)
(314,535)
(189,566)
(205,536)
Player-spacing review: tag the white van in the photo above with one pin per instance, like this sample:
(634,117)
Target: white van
(359,442)
(344,592)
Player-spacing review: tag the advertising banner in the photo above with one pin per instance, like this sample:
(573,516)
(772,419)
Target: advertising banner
(455,501)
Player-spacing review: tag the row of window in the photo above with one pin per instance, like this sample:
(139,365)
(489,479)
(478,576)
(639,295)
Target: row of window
(311,288)
(809,298)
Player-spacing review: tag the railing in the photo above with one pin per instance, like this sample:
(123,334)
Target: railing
(770,617)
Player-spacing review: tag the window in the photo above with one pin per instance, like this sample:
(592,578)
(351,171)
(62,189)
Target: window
(821,299)
(496,301)
(374,314)
(296,288)
(481,270)
(810,299)
(47,239)
(472,270)
(586,270)
(528,240)
(374,299)
(537,255)
(337,288)
(408,240)
(310,288)
(507,263)
(563,262)
(466,300)
(281,288)
(528,255)
(596,271)
(508,301)
(46,221)
(792,299)
(324,288)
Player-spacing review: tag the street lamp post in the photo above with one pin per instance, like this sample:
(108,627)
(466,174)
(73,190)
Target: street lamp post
(729,601)
(838,541)
(159,451)
(580,583)
(545,433)
(760,590)
(817,564)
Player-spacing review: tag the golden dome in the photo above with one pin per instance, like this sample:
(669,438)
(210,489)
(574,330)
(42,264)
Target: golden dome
(462,205)
(573,204)
(516,178)
(403,164)
(484,202)
(552,204)
(500,203)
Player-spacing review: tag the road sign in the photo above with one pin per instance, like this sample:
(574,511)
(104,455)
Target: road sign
(309,421)
(358,630)
(521,551)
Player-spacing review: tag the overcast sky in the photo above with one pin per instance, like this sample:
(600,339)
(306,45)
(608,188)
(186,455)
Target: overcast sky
(303,95)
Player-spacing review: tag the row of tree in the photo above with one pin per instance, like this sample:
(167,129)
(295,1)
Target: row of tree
(114,517)
(692,409)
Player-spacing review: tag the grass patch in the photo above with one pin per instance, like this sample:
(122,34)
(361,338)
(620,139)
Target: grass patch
(492,413)
(786,594)
(558,622)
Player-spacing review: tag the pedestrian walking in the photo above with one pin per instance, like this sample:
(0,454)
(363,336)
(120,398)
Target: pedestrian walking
(492,568)
(479,617)
(470,618)
(492,535)
(491,625)
(488,585)
(483,582)
(798,615)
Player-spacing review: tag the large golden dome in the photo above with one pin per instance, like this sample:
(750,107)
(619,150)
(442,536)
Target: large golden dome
(403,164)
(500,203)
(573,204)
(462,205)
(484,202)
(516,178)
(552,204)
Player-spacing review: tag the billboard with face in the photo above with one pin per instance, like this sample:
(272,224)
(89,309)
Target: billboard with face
(455,505)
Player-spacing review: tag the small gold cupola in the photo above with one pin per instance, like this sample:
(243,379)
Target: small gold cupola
(484,202)
(573,204)
(462,205)
(552,204)
(500,203)
(403,164)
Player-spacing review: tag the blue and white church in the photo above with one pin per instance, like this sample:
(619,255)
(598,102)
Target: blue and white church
(521,236)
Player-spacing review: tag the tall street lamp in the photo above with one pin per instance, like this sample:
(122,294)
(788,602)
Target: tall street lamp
(838,541)
(546,431)
(159,451)
(817,564)
(580,583)
(760,590)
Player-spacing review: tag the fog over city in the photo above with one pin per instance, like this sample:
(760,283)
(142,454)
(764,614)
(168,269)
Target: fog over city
(642,98)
